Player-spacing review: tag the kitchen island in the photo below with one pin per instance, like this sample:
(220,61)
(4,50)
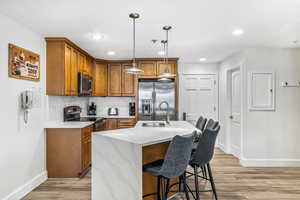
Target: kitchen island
(118,157)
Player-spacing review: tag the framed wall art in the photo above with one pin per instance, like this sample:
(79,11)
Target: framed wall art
(23,64)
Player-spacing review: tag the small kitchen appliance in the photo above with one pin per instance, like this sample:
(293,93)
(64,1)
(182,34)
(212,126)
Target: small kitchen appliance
(92,109)
(113,111)
(132,109)
(84,84)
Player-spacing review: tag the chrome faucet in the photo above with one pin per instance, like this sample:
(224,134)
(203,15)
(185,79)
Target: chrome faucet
(168,111)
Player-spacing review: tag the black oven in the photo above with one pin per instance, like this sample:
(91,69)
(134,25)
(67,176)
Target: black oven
(84,85)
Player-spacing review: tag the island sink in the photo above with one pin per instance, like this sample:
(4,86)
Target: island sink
(153,124)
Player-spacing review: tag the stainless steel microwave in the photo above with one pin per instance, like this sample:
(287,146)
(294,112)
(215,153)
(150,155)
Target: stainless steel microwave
(84,85)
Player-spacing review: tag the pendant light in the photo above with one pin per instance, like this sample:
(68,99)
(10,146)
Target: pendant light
(166,75)
(133,69)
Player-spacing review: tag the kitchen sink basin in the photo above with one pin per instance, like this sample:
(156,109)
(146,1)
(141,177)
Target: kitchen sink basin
(153,124)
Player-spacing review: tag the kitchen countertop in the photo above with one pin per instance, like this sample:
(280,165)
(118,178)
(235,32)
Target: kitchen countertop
(150,135)
(111,116)
(57,124)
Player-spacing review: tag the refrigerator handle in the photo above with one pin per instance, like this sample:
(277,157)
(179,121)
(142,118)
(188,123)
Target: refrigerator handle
(153,104)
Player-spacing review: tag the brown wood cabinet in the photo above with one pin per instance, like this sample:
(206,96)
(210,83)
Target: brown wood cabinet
(161,67)
(119,123)
(68,152)
(82,63)
(86,148)
(64,61)
(74,72)
(149,68)
(128,82)
(68,69)
(111,124)
(61,69)
(115,79)
(126,123)
(100,79)
(89,66)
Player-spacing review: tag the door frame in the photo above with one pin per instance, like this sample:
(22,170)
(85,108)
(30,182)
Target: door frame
(240,67)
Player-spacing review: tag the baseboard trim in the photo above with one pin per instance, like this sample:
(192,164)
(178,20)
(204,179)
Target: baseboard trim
(23,190)
(270,162)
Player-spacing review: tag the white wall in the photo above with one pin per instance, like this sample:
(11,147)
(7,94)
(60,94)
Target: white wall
(270,138)
(22,146)
(193,68)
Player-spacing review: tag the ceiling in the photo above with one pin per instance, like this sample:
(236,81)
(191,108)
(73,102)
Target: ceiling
(201,28)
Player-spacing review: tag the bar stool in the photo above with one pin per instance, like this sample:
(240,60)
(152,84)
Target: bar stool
(173,166)
(201,157)
(211,124)
(200,124)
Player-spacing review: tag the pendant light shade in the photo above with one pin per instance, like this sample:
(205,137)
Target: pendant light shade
(133,69)
(166,75)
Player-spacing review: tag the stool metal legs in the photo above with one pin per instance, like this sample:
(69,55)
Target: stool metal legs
(196,182)
(213,186)
(206,176)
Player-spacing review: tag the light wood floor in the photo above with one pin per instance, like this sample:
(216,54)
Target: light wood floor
(233,183)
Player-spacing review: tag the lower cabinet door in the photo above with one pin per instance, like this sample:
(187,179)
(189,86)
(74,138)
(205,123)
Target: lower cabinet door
(111,124)
(86,152)
(126,123)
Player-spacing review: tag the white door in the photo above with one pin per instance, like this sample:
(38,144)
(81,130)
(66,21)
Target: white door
(200,97)
(235,117)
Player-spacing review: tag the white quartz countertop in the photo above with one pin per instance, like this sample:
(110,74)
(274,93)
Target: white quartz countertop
(110,116)
(57,124)
(150,135)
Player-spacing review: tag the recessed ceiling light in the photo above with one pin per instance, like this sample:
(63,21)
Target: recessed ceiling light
(202,59)
(97,36)
(238,32)
(161,53)
(111,53)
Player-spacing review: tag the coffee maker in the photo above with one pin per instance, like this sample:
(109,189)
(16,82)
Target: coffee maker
(92,109)
(132,109)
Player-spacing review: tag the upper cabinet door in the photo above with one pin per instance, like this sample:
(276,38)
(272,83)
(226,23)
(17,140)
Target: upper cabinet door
(100,79)
(89,66)
(115,80)
(68,52)
(128,82)
(161,67)
(149,68)
(81,63)
(74,72)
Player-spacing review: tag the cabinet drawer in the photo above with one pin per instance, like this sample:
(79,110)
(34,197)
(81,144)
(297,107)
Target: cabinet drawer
(126,123)
(86,132)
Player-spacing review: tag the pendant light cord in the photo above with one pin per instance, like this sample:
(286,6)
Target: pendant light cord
(167,47)
(134,42)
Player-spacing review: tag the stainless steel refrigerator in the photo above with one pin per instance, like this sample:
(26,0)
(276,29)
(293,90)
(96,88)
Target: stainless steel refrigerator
(151,94)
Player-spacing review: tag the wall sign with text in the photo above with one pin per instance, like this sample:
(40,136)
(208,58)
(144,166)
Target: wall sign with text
(23,64)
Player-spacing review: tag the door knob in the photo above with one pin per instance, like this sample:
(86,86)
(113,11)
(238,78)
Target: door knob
(230,117)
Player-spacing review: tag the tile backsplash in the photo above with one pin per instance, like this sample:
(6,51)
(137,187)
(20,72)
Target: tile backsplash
(56,105)
(103,103)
